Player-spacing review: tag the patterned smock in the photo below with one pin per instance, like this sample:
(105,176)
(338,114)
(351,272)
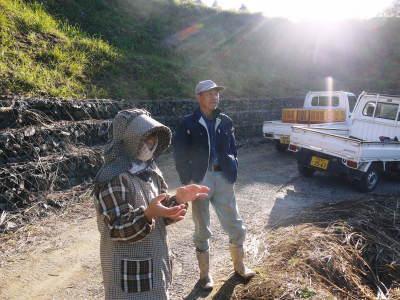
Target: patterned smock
(134,252)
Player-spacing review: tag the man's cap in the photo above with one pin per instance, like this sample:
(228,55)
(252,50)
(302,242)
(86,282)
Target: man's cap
(207,85)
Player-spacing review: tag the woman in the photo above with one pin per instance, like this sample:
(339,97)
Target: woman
(133,208)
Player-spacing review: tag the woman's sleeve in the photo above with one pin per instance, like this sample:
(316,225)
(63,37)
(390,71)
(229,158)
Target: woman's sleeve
(125,223)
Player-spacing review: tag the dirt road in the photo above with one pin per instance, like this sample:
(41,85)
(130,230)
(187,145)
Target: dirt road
(58,258)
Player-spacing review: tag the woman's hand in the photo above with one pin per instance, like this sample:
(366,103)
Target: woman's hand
(190,192)
(156,209)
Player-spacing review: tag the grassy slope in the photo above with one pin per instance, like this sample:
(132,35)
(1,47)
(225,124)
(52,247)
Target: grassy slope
(41,53)
(42,56)
(161,48)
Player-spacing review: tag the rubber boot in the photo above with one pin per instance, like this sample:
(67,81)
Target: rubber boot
(237,254)
(206,281)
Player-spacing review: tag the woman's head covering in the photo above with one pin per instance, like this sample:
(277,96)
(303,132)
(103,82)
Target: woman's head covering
(130,130)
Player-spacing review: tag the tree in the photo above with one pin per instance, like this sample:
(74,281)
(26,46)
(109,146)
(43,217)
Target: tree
(243,8)
(198,2)
(215,4)
(393,10)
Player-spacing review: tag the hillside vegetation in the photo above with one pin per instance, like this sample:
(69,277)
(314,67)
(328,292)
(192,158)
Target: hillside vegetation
(161,48)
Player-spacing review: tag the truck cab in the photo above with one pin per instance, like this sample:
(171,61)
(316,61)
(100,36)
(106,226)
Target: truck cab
(279,131)
(331,100)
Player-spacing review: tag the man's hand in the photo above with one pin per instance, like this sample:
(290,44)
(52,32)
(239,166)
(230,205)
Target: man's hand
(191,192)
(156,209)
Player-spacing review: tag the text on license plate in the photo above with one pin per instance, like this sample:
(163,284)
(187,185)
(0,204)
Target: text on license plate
(284,139)
(319,162)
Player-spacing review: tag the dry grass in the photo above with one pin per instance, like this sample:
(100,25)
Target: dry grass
(32,223)
(350,250)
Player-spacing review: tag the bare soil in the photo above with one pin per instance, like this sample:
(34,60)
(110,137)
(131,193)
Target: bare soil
(58,257)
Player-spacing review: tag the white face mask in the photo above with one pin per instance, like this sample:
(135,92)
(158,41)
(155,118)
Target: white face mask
(145,153)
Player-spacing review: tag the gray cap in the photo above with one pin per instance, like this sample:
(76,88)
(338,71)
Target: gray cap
(207,85)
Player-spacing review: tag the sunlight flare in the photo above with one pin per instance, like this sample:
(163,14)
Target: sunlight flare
(329,83)
(311,10)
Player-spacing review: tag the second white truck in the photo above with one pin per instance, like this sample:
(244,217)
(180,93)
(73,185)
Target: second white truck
(280,131)
(363,152)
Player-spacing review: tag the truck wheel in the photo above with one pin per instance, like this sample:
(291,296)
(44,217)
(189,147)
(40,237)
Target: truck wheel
(305,171)
(281,147)
(369,180)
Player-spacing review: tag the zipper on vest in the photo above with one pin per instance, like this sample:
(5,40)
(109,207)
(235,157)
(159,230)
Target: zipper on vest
(202,122)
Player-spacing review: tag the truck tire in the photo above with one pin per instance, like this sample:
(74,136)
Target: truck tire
(305,171)
(280,147)
(369,180)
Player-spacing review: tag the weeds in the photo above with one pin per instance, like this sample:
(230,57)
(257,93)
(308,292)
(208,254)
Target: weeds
(349,250)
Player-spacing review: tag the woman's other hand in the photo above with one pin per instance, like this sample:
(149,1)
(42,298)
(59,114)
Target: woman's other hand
(190,192)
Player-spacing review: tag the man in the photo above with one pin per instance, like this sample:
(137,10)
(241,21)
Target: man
(205,153)
(133,209)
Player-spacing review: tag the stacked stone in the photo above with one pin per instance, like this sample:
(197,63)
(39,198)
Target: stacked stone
(52,144)
(49,145)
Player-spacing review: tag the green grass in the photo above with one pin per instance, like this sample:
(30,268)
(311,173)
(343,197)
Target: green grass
(126,49)
(305,293)
(41,55)
(45,57)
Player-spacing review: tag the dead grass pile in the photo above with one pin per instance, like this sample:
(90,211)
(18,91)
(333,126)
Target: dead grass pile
(46,204)
(40,221)
(349,250)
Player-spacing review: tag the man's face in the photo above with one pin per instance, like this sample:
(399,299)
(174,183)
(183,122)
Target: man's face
(208,100)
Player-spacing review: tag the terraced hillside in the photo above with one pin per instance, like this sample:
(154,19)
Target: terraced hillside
(50,149)
(47,146)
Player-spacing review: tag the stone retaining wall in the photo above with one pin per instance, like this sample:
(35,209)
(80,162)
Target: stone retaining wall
(49,145)
(247,114)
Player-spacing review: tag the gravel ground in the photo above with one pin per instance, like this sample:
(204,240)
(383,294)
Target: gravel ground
(268,189)
(58,259)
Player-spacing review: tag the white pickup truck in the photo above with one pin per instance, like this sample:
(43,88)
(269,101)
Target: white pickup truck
(369,147)
(279,131)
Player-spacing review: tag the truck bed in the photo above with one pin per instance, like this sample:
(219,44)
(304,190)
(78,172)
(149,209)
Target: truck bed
(279,128)
(337,142)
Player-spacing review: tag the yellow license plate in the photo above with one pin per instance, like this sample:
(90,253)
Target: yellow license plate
(319,162)
(284,139)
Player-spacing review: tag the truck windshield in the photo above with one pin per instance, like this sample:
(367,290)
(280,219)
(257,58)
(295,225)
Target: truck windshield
(352,102)
(383,110)
(325,101)
(369,109)
(386,111)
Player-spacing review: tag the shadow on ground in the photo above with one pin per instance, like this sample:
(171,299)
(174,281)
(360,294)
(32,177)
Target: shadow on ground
(197,292)
(225,291)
